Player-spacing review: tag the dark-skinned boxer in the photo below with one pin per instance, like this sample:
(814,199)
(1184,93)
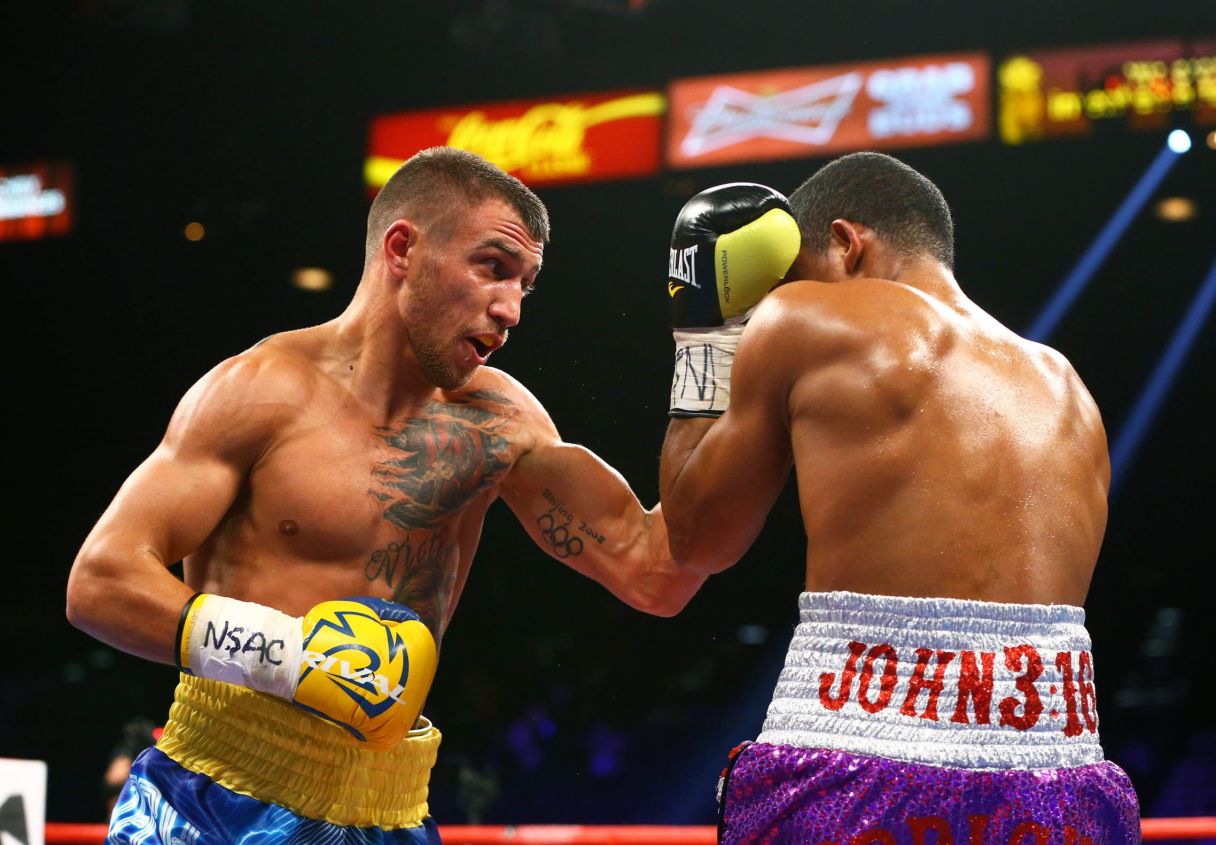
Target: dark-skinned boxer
(952,479)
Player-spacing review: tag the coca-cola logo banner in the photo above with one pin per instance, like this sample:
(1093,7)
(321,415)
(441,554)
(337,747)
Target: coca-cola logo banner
(571,138)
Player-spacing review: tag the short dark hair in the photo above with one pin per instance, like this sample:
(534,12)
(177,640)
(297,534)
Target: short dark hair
(903,207)
(437,184)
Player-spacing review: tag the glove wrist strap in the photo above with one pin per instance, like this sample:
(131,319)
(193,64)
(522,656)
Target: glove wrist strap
(240,642)
(700,386)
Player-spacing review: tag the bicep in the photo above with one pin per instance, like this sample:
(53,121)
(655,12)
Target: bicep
(170,503)
(576,507)
(583,513)
(173,500)
(120,589)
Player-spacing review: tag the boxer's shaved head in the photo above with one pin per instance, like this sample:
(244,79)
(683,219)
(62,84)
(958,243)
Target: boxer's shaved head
(437,185)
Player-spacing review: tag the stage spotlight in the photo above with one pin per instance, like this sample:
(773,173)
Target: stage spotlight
(1074,283)
(1212,139)
(194,231)
(1152,397)
(1179,141)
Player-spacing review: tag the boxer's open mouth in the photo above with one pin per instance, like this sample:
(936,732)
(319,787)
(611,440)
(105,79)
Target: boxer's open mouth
(486,342)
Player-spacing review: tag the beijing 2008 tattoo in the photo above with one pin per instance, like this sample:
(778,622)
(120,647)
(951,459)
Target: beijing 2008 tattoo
(556,528)
(443,458)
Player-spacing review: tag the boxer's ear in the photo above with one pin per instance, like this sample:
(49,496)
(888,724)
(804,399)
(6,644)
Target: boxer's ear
(849,242)
(399,240)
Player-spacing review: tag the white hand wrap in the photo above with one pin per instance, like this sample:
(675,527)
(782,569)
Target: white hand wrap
(701,384)
(240,642)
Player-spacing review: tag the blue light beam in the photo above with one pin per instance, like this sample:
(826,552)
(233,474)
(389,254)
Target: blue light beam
(1092,258)
(1151,398)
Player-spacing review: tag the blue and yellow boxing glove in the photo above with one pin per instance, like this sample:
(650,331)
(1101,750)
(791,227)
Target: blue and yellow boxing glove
(730,246)
(363,663)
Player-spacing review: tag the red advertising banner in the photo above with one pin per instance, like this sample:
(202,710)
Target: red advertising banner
(1062,92)
(798,112)
(35,200)
(575,138)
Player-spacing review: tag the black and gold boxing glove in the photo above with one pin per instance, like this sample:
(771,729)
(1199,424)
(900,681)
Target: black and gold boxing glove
(730,246)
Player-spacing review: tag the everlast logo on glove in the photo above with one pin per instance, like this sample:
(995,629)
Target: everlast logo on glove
(750,240)
(682,266)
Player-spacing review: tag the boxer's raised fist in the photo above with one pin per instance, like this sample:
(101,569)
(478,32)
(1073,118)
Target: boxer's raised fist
(730,245)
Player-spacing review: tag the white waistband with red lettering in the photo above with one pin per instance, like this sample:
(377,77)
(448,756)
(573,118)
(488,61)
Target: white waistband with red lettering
(948,682)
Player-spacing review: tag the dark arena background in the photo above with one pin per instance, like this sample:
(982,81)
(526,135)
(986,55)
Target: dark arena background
(167,169)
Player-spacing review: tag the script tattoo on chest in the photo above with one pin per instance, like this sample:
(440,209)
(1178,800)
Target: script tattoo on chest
(439,462)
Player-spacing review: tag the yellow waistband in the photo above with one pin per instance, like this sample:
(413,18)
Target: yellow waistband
(263,747)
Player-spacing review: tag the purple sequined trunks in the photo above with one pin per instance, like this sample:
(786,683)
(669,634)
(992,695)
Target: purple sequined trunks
(919,721)
(783,794)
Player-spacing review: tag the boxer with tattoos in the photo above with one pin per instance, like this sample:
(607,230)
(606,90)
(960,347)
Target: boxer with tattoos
(325,491)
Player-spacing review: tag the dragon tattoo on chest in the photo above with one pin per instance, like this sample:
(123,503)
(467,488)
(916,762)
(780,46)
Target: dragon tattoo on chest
(435,464)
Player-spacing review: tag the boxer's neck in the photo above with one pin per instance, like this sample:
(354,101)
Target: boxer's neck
(371,349)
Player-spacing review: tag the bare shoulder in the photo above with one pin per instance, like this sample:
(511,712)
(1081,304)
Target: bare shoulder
(1064,380)
(865,349)
(784,313)
(848,318)
(276,371)
(509,397)
(248,396)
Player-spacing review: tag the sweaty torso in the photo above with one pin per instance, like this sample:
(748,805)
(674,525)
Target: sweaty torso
(343,503)
(938,454)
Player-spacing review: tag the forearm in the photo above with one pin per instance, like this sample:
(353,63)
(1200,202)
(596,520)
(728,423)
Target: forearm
(739,239)
(128,600)
(583,513)
(629,555)
(657,585)
(692,542)
(684,434)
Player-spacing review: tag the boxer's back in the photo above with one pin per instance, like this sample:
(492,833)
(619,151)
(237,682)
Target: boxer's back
(939,454)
